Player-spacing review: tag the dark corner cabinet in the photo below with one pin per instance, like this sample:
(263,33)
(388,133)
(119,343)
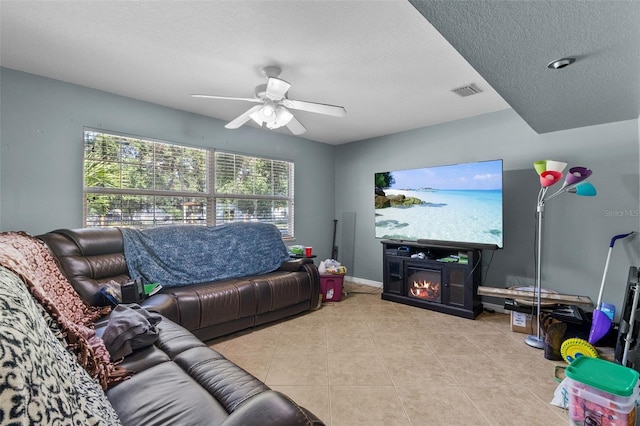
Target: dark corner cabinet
(443,279)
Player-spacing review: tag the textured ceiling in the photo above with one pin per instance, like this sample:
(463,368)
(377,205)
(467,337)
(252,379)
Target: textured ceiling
(511,42)
(381,60)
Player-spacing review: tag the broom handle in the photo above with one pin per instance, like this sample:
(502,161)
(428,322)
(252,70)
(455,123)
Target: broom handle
(604,276)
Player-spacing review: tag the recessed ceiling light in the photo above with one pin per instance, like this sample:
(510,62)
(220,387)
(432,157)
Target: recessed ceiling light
(560,63)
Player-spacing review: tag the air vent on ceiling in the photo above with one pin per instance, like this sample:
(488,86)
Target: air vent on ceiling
(468,90)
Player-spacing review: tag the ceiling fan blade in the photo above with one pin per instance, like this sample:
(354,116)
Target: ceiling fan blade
(336,111)
(242,118)
(255,116)
(229,98)
(276,88)
(296,127)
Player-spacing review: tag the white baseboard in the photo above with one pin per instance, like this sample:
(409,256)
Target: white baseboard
(362,281)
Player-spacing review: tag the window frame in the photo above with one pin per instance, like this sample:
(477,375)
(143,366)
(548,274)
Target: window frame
(281,167)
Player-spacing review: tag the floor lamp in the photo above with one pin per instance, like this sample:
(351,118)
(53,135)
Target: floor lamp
(550,173)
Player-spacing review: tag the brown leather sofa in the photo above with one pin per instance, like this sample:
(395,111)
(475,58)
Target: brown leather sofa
(181,381)
(91,257)
(177,380)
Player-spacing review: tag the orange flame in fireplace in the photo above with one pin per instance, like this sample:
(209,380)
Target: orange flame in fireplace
(426,290)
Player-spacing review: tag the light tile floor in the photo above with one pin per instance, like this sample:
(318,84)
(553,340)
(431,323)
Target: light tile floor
(366,361)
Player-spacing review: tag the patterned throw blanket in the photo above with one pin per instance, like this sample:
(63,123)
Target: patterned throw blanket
(176,256)
(41,382)
(30,259)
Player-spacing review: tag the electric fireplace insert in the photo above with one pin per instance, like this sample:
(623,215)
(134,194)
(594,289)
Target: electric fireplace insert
(443,279)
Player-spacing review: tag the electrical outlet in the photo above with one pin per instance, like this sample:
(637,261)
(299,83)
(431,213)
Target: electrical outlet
(516,281)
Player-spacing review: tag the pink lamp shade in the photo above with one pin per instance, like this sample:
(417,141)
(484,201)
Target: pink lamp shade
(577,175)
(549,177)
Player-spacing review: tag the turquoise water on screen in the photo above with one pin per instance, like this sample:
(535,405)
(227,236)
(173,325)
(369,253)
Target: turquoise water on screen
(473,216)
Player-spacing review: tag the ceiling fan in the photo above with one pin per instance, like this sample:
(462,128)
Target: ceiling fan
(273,111)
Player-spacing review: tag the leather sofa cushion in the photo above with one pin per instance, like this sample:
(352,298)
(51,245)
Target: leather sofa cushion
(279,290)
(214,303)
(165,395)
(271,408)
(176,373)
(228,383)
(172,340)
(228,300)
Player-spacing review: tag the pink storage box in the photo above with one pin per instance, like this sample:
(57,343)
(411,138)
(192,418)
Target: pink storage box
(591,406)
(331,287)
(601,393)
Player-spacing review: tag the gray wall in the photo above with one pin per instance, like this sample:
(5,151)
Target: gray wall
(41,177)
(577,230)
(41,153)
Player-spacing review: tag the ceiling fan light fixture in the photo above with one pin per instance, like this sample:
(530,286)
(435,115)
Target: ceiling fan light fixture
(283,117)
(267,111)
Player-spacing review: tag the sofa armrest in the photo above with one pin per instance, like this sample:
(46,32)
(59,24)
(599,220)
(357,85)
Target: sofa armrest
(89,257)
(164,304)
(295,265)
(271,408)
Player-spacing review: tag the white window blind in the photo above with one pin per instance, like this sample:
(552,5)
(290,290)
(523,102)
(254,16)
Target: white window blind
(140,183)
(251,188)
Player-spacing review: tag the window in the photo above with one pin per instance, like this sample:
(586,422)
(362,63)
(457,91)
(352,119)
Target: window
(140,183)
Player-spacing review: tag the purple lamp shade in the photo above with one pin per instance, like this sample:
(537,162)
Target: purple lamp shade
(577,175)
(549,177)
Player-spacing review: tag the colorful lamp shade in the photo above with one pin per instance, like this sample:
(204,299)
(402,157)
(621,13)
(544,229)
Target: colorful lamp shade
(557,166)
(544,165)
(540,166)
(577,175)
(550,177)
(585,189)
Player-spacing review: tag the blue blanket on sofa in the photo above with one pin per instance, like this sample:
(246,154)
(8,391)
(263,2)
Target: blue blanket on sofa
(177,256)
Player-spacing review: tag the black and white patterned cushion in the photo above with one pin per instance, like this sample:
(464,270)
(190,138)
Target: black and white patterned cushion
(40,381)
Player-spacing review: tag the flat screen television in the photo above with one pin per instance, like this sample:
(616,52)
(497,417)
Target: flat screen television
(457,205)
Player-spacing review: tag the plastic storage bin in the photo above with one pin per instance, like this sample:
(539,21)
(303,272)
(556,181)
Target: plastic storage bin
(331,287)
(601,393)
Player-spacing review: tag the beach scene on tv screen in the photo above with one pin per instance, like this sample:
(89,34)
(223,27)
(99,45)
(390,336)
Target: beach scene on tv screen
(461,203)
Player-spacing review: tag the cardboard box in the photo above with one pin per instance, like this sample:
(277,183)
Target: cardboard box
(521,323)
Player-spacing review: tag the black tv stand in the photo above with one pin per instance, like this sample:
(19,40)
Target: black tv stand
(443,279)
